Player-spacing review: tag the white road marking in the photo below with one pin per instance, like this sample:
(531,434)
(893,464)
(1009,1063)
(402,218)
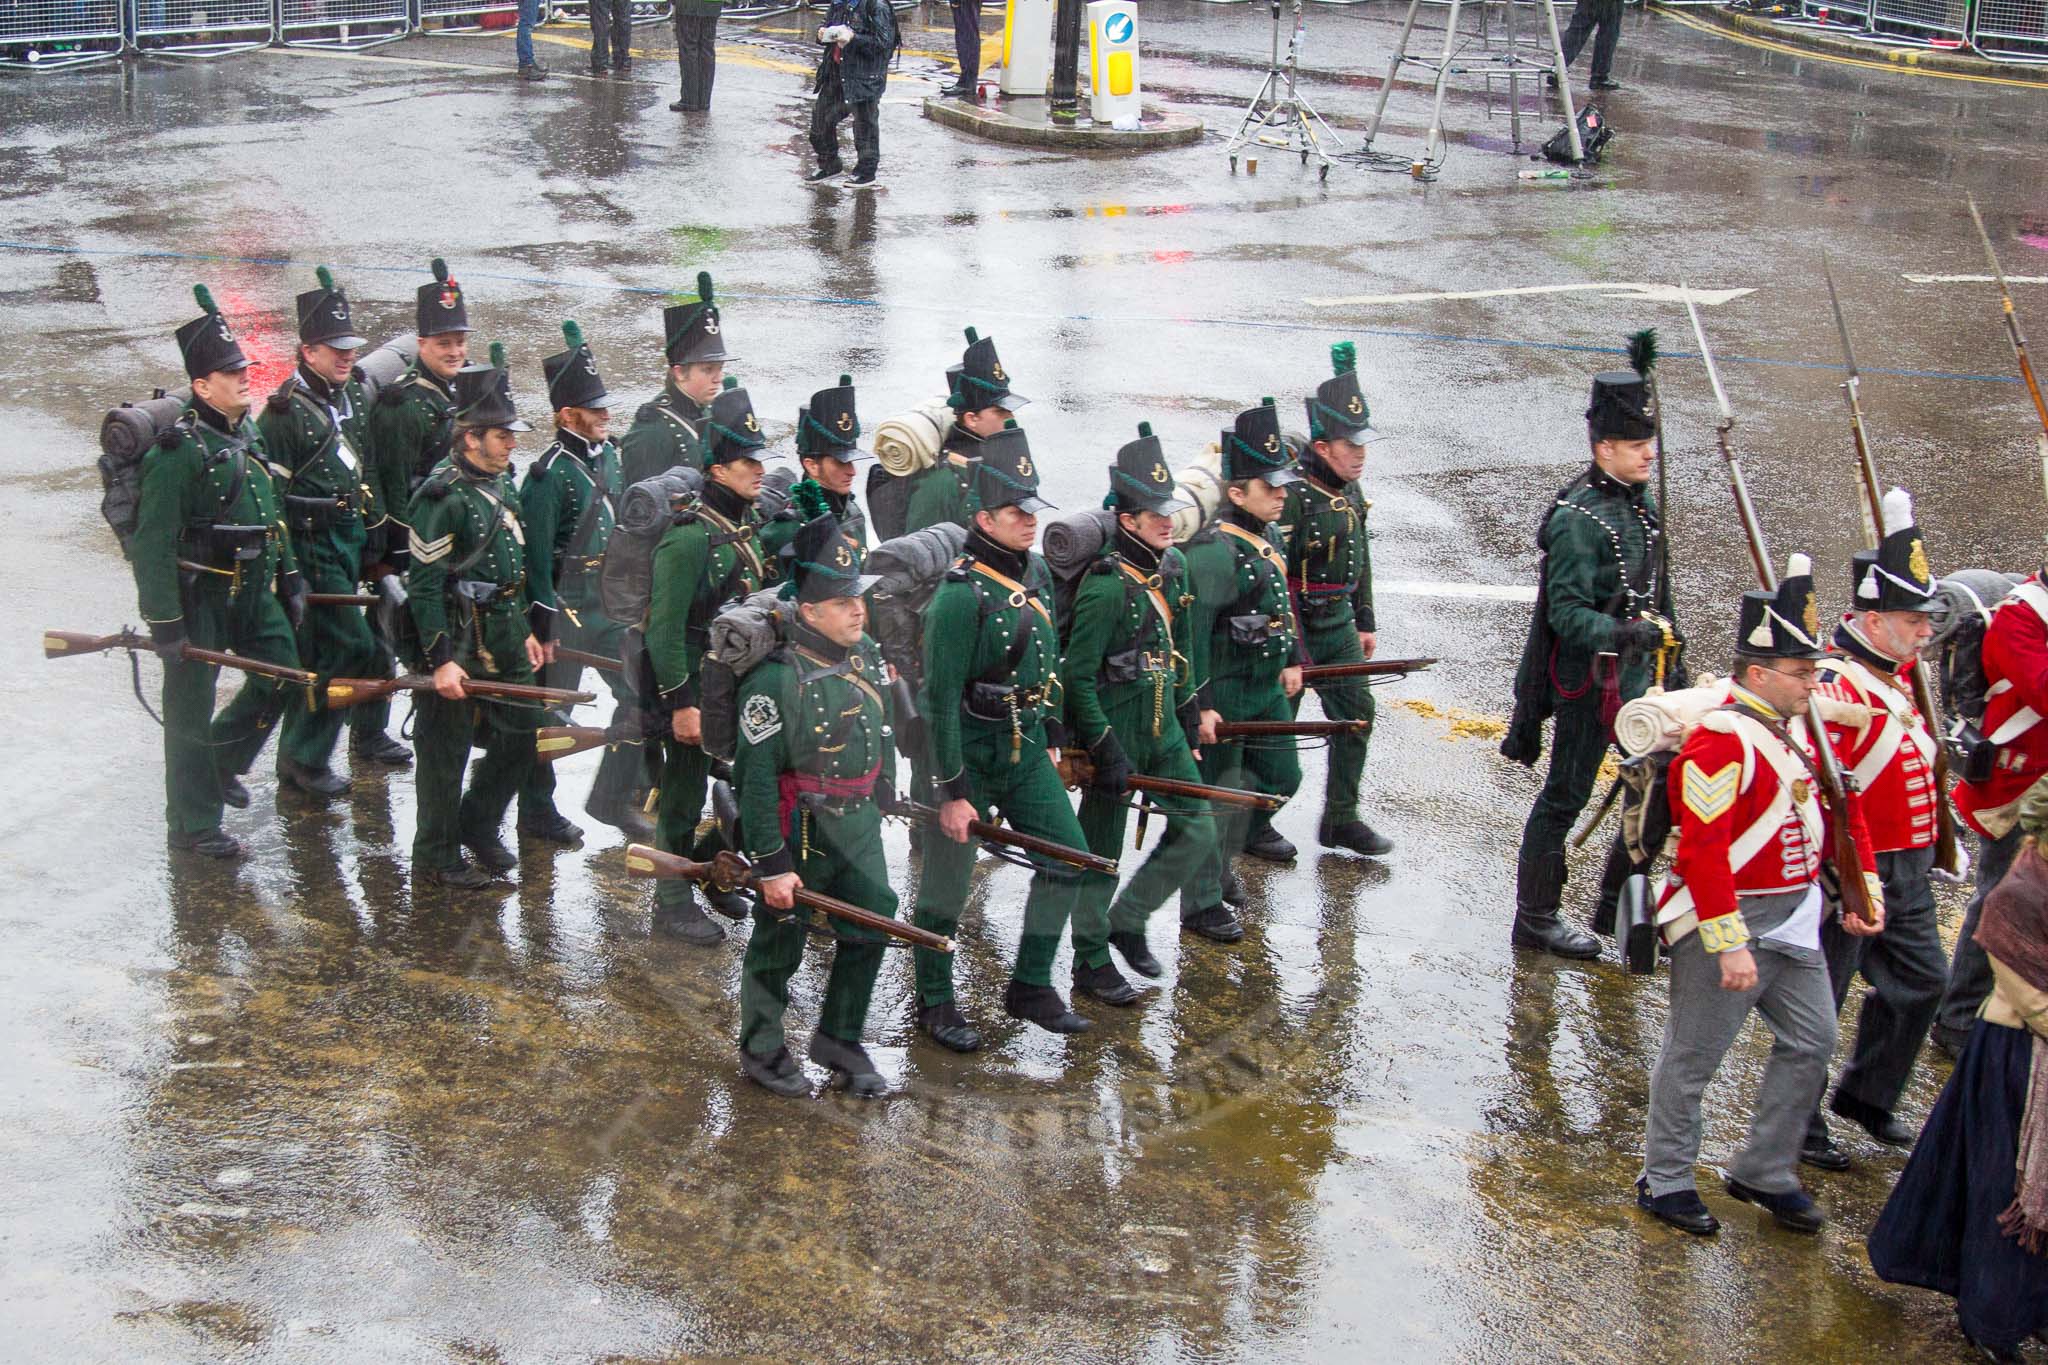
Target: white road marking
(1973,279)
(1479,592)
(1633,293)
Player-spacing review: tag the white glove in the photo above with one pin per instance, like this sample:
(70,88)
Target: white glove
(842,35)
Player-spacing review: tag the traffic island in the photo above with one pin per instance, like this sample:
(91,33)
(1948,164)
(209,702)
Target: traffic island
(1026,121)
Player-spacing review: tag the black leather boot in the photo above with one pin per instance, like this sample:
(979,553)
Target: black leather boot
(684,920)
(1107,984)
(1135,952)
(778,1074)
(1539,885)
(948,1027)
(1041,1005)
(849,1064)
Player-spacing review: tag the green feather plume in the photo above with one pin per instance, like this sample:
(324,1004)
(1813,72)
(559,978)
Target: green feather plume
(497,355)
(972,336)
(845,381)
(205,297)
(572,334)
(440,269)
(326,278)
(1642,351)
(1343,358)
(1144,430)
(732,382)
(808,498)
(1265,402)
(703,286)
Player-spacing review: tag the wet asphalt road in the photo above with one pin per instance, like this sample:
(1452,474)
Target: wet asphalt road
(290,1109)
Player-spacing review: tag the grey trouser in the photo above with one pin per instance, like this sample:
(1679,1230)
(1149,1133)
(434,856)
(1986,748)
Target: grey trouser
(1969,972)
(1791,993)
(1905,967)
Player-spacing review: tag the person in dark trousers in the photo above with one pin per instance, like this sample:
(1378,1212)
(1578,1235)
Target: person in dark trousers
(966,46)
(859,37)
(530,68)
(1601,19)
(696,52)
(611,36)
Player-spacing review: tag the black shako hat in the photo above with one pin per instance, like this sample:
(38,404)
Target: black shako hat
(829,425)
(1894,576)
(1784,624)
(440,307)
(483,395)
(1139,481)
(821,561)
(1253,449)
(207,344)
(324,318)
(692,332)
(1005,475)
(979,380)
(731,431)
(573,380)
(1338,412)
(1621,408)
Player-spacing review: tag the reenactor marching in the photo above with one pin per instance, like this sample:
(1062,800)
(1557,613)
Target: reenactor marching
(1132,706)
(983,404)
(1244,645)
(710,558)
(827,447)
(813,767)
(569,504)
(669,431)
(314,438)
(1741,911)
(1601,626)
(212,561)
(466,591)
(1891,758)
(993,703)
(1329,571)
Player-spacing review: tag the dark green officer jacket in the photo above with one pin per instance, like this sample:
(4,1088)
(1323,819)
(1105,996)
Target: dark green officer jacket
(1329,554)
(989,627)
(1241,631)
(411,428)
(942,492)
(213,476)
(665,433)
(711,556)
(569,505)
(817,713)
(781,528)
(468,563)
(1127,646)
(316,437)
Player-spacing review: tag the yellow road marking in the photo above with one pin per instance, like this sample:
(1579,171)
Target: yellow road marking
(1905,64)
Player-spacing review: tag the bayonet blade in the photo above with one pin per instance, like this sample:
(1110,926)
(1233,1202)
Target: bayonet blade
(1990,252)
(1706,354)
(1841,323)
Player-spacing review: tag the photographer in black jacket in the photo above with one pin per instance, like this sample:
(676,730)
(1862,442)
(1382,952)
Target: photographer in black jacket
(859,37)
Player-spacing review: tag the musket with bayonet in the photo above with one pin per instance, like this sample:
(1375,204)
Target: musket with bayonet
(2013,334)
(60,644)
(1946,849)
(1370,668)
(1834,786)
(728,871)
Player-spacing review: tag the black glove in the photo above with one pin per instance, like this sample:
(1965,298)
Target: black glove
(1189,714)
(1112,769)
(541,622)
(167,638)
(1644,637)
(291,588)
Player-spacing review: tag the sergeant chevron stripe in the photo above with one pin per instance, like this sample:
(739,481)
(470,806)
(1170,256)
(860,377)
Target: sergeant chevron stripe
(427,551)
(1710,795)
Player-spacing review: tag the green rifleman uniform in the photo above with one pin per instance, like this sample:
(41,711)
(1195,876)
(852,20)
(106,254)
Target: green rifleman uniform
(710,558)
(669,431)
(827,428)
(211,556)
(812,767)
(1131,704)
(944,492)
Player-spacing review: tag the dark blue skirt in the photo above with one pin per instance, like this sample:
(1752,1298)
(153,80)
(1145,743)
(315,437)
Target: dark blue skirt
(1939,1229)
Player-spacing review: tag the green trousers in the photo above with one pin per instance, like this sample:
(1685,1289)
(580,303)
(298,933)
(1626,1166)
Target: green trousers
(1182,861)
(199,746)
(444,731)
(839,855)
(1578,741)
(1032,799)
(335,642)
(679,808)
(1272,766)
(622,770)
(1334,640)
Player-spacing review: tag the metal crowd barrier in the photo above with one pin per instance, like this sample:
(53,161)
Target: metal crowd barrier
(467,16)
(201,28)
(45,35)
(2011,30)
(578,12)
(342,23)
(1929,23)
(1853,14)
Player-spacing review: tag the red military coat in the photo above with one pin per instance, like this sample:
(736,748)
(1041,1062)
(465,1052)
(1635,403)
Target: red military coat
(2016,663)
(1749,823)
(1891,756)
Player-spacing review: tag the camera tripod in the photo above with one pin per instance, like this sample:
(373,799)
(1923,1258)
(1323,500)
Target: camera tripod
(1278,115)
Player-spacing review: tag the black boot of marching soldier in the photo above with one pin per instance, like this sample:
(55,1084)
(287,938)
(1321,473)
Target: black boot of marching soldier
(1539,886)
